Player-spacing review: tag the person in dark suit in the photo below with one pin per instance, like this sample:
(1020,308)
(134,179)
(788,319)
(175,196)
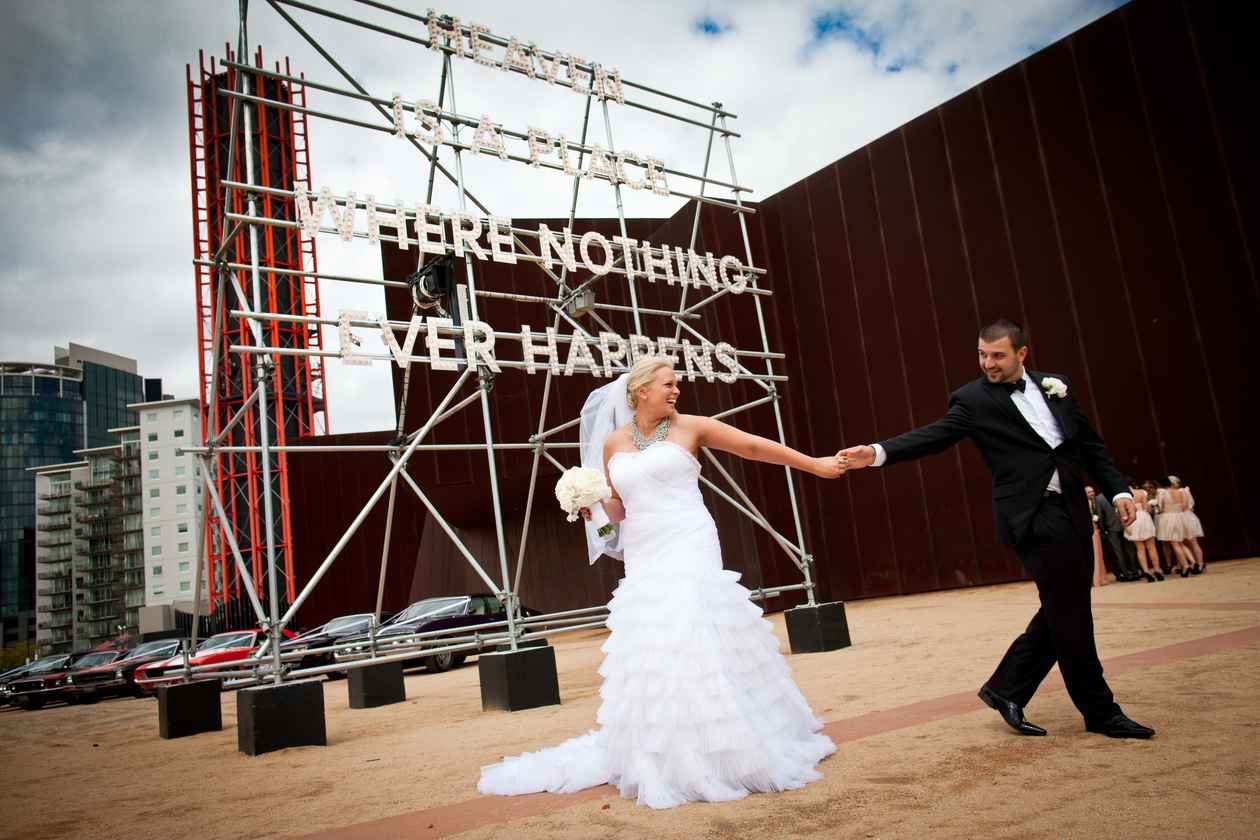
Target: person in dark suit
(1037,443)
(1113,534)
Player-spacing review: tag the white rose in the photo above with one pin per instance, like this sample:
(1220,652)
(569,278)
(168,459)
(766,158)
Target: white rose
(1054,387)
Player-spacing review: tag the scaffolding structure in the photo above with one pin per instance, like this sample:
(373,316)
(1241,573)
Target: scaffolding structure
(256,210)
(279,141)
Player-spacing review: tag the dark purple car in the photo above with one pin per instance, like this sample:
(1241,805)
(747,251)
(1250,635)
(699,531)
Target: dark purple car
(433,614)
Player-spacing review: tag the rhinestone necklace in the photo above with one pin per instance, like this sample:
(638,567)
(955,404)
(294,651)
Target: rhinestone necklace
(662,429)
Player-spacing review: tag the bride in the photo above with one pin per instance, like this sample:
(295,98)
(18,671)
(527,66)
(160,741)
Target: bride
(698,703)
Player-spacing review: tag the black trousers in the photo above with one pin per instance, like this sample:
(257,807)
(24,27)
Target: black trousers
(1063,628)
(1123,551)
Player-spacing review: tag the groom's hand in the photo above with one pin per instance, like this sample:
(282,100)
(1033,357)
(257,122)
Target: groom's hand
(857,457)
(1126,510)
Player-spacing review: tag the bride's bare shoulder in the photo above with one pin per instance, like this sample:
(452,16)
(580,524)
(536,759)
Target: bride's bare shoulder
(617,439)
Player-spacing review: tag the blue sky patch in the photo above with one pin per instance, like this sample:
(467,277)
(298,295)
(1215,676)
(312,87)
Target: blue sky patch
(710,26)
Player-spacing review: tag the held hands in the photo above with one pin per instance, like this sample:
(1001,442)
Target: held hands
(829,466)
(1126,510)
(857,457)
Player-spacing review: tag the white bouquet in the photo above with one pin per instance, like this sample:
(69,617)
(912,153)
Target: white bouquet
(583,487)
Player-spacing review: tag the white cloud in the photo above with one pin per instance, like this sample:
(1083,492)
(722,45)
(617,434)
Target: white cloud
(94,166)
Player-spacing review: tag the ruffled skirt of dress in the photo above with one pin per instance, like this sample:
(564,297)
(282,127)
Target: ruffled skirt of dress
(698,703)
(1142,528)
(1172,527)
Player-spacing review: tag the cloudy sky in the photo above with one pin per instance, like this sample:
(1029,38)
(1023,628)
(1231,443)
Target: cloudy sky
(95,222)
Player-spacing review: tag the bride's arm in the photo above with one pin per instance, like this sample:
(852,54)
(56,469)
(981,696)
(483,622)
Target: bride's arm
(718,435)
(612,506)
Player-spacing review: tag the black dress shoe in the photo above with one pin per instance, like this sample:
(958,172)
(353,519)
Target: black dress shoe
(1158,576)
(1011,713)
(1119,726)
(1148,577)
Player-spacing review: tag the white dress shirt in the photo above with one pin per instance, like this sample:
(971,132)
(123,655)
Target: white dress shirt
(1031,403)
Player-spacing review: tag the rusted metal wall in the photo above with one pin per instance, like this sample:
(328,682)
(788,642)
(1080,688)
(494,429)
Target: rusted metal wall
(1105,192)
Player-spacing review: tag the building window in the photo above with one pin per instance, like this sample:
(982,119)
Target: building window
(181,490)
(150,417)
(153,473)
(154,513)
(183,547)
(179,433)
(155,492)
(156,551)
(182,507)
(152,437)
(185,566)
(153,454)
(184,586)
(159,590)
(157,570)
(177,413)
(155,531)
(182,527)
(181,470)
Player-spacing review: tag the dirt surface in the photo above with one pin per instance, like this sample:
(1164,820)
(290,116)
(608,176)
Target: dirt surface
(918,755)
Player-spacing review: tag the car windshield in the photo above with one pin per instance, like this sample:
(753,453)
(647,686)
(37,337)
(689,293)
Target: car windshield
(47,665)
(93,659)
(430,608)
(155,649)
(226,640)
(346,624)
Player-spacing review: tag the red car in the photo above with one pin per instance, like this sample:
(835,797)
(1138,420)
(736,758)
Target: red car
(232,646)
(47,683)
(117,678)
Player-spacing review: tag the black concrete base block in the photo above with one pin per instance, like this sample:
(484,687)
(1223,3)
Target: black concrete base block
(818,628)
(189,708)
(520,679)
(273,717)
(376,685)
(539,642)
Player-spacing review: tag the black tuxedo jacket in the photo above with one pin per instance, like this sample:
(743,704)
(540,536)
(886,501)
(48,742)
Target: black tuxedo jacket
(1020,461)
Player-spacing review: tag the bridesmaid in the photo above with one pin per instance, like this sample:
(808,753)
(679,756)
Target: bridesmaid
(1163,555)
(1100,567)
(1194,528)
(1141,532)
(1172,525)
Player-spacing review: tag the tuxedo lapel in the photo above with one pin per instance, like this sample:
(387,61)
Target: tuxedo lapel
(1003,399)
(1056,405)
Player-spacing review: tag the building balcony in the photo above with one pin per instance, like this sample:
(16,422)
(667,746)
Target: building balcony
(100,596)
(59,555)
(60,525)
(53,574)
(53,509)
(98,583)
(54,540)
(62,492)
(56,623)
(49,591)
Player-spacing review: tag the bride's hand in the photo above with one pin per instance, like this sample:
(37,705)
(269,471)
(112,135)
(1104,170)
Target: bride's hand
(586,513)
(829,466)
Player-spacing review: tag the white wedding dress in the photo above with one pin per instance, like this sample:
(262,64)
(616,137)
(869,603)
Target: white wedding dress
(698,703)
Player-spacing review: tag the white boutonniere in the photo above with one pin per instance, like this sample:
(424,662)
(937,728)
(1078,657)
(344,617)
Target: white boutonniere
(1054,387)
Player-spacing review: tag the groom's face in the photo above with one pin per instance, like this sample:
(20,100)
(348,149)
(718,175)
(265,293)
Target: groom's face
(1000,361)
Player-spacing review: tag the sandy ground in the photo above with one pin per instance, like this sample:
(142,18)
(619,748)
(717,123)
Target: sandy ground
(918,755)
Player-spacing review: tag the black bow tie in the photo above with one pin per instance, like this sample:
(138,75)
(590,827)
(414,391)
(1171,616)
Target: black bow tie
(1010,387)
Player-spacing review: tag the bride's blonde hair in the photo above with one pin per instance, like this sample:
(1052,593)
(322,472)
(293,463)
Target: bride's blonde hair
(641,373)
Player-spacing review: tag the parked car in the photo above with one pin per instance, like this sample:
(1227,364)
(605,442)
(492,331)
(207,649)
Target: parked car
(46,682)
(324,635)
(9,676)
(117,678)
(232,646)
(434,614)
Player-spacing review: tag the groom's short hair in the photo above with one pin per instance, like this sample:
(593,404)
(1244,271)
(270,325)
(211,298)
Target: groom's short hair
(1005,328)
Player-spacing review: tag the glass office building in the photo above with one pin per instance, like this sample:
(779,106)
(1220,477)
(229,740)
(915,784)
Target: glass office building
(47,411)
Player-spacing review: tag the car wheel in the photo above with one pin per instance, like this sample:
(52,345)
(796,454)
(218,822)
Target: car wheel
(73,700)
(32,703)
(91,697)
(439,662)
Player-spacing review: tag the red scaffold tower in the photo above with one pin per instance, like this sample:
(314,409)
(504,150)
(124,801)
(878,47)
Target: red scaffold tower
(287,258)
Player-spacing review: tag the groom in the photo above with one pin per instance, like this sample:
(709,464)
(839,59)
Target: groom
(1036,442)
